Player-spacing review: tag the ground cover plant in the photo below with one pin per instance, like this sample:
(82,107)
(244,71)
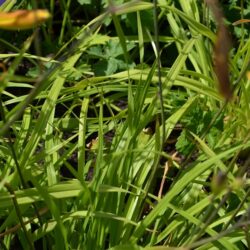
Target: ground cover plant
(115,130)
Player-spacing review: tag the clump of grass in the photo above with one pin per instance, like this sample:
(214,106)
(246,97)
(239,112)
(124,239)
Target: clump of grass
(93,159)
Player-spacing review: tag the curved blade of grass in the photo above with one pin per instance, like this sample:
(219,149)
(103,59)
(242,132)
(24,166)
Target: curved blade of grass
(7,5)
(187,176)
(50,159)
(61,190)
(198,27)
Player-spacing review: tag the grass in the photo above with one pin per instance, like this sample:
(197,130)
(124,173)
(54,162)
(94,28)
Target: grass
(111,140)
